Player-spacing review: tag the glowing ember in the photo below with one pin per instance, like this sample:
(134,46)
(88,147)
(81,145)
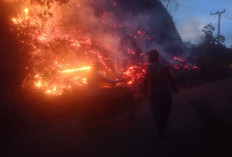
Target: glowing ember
(14,20)
(26,11)
(180,64)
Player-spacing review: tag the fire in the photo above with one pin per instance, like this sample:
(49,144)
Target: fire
(14,20)
(26,10)
(134,73)
(56,46)
(84,81)
(53,91)
(38,84)
(180,64)
(75,70)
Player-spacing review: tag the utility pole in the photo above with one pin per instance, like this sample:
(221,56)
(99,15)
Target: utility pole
(219,21)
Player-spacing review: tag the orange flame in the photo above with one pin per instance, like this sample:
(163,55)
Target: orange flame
(26,10)
(75,70)
(50,72)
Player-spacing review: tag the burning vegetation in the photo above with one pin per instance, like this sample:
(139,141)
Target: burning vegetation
(61,54)
(65,40)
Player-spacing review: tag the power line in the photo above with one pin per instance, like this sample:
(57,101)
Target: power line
(205,6)
(228,17)
(202,6)
(201,3)
(193,7)
(176,3)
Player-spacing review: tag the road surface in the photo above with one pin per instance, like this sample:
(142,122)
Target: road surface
(200,125)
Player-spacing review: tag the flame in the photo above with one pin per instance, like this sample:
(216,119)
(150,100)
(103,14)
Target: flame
(75,70)
(26,10)
(54,49)
(14,20)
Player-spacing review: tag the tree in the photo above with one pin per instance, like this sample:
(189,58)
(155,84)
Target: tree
(221,40)
(210,55)
(207,38)
(46,6)
(49,2)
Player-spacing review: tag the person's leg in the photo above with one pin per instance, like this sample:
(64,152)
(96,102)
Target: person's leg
(165,111)
(161,108)
(157,113)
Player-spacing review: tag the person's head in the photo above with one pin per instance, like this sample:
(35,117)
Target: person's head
(153,56)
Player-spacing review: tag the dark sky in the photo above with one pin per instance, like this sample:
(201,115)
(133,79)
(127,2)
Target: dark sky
(192,15)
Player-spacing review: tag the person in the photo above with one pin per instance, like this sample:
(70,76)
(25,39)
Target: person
(161,83)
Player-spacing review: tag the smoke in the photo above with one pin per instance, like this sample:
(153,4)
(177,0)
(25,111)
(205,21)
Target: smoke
(190,30)
(120,25)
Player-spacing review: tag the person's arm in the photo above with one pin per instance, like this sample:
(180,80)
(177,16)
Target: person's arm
(172,80)
(147,80)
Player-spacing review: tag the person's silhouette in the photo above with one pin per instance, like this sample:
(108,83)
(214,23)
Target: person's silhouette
(160,81)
